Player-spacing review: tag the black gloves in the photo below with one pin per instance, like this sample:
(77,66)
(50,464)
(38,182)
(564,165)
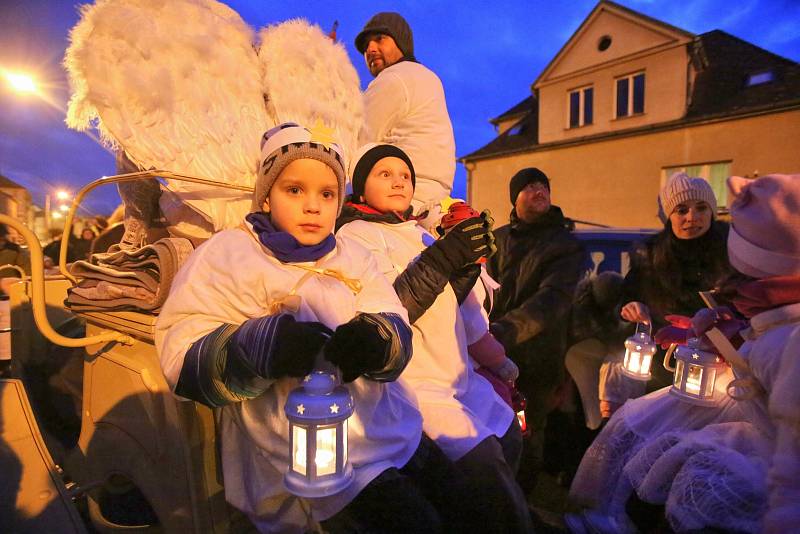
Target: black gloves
(298,344)
(359,347)
(463,245)
(278,346)
(463,280)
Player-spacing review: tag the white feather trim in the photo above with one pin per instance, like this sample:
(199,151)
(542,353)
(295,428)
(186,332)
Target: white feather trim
(177,85)
(311,78)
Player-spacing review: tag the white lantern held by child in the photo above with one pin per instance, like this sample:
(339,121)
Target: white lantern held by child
(639,351)
(317,413)
(695,373)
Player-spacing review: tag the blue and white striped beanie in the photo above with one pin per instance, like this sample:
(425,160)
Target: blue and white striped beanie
(289,141)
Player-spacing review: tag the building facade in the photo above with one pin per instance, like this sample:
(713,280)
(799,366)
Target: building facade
(627,101)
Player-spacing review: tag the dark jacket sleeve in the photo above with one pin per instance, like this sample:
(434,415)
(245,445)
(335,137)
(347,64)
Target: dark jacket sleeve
(393,328)
(550,304)
(418,287)
(230,364)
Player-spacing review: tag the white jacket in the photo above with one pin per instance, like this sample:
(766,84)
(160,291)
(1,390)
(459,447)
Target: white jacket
(232,278)
(459,407)
(772,351)
(405,106)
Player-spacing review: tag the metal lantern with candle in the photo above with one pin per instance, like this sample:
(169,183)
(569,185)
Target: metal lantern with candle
(317,413)
(639,351)
(695,372)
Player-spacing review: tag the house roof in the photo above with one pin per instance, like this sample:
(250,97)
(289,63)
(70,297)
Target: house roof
(725,64)
(524,133)
(5,183)
(522,108)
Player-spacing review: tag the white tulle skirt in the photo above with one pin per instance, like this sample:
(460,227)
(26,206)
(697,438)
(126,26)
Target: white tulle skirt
(706,464)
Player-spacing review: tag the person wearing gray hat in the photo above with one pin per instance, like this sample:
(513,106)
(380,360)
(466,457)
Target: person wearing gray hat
(405,106)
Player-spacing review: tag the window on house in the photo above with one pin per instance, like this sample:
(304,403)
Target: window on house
(581,107)
(760,77)
(630,95)
(714,173)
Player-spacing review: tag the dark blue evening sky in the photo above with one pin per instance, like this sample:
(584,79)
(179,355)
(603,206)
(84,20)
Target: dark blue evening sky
(486,53)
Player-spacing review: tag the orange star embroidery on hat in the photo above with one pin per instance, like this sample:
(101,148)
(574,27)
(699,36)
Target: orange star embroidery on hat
(322,134)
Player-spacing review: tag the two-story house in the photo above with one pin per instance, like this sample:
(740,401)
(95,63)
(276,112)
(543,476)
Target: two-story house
(627,101)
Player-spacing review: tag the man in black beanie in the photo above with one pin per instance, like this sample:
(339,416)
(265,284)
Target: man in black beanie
(538,264)
(405,106)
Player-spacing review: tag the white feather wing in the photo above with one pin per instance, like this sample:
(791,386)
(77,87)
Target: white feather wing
(178,85)
(310,78)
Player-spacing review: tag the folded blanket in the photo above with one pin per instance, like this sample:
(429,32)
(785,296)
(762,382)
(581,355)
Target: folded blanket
(137,280)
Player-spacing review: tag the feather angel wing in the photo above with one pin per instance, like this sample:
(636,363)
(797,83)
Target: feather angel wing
(310,78)
(178,86)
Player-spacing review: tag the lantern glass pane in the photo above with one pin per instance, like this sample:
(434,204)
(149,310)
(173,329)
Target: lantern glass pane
(678,374)
(647,359)
(712,375)
(299,454)
(694,377)
(634,364)
(326,451)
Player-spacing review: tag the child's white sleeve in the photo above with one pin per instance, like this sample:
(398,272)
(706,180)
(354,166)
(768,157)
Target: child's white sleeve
(476,320)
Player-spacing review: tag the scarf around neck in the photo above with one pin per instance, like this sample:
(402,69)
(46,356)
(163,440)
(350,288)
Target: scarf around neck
(764,294)
(284,245)
(352,211)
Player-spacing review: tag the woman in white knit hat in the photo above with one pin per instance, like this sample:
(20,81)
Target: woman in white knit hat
(687,256)
(733,466)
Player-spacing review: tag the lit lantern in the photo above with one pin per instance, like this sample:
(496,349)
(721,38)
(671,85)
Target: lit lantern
(317,413)
(639,351)
(519,403)
(695,373)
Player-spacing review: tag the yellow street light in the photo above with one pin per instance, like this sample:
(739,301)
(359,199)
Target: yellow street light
(62,195)
(64,207)
(20,82)
(56,215)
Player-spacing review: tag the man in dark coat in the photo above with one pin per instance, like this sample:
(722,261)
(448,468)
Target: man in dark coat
(538,264)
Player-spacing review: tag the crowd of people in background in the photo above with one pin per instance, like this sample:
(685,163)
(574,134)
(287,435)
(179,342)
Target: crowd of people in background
(434,320)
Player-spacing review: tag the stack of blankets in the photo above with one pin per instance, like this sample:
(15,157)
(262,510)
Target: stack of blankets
(128,280)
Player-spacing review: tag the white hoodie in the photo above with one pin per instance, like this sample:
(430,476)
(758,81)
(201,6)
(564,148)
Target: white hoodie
(459,407)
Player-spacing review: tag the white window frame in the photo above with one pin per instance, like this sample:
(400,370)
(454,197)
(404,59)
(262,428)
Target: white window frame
(630,78)
(581,102)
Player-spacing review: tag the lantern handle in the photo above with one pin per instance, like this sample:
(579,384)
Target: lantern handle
(649,329)
(668,356)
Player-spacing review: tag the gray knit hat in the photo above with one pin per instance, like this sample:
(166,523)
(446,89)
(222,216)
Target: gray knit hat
(289,141)
(391,24)
(680,187)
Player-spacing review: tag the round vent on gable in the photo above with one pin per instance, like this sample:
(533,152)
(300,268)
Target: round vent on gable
(604,43)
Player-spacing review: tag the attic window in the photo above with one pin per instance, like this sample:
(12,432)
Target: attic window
(760,77)
(604,43)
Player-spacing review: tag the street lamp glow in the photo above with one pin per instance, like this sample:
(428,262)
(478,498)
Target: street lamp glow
(62,195)
(20,82)
(64,207)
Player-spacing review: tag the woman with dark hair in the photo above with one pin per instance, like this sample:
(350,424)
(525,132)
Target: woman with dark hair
(669,269)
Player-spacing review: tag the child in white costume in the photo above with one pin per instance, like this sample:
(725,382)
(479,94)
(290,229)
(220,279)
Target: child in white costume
(249,312)
(460,409)
(734,466)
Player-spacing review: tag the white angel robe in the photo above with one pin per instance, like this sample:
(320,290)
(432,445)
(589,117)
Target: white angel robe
(232,278)
(459,407)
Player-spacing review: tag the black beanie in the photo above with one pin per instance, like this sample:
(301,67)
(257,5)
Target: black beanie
(391,24)
(524,177)
(370,158)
